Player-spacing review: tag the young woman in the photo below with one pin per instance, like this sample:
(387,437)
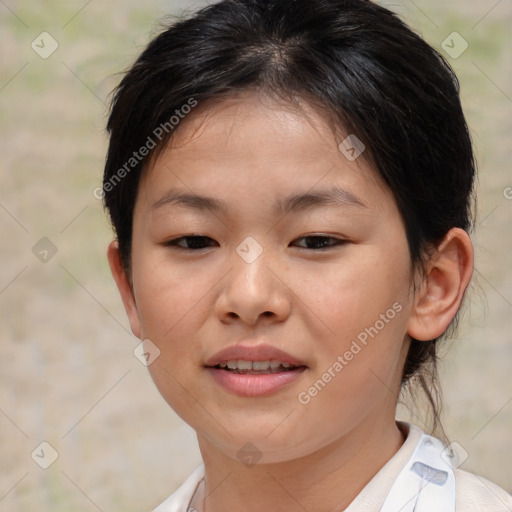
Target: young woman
(290,183)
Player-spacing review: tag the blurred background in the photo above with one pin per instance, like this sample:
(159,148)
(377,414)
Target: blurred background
(69,378)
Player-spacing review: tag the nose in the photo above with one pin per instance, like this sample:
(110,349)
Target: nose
(253,292)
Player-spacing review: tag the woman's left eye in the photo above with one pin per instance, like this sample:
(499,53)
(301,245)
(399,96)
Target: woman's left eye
(319,242)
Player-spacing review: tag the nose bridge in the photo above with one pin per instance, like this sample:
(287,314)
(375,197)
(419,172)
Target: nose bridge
(251,290)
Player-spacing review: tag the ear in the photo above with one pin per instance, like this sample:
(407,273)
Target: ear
(124,286)
(440,294)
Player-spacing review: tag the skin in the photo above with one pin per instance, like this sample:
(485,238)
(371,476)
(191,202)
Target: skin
(249,152)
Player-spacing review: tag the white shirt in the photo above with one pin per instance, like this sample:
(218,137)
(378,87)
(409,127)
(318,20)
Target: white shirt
(473,493)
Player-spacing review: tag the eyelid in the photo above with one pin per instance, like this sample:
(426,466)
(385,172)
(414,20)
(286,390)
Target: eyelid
(173,243)
(338,241)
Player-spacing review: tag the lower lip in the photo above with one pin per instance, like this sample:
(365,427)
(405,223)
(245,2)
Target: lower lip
(242,384)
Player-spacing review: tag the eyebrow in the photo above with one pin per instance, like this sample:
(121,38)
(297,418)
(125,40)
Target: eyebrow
(335,196)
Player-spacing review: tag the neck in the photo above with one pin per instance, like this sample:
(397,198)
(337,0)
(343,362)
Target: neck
(325,481)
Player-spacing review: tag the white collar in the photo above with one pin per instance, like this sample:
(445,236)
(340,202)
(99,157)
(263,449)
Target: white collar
(426,482)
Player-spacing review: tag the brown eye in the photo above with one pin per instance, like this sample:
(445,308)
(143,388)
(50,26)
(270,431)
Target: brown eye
(320,242)
(193,243)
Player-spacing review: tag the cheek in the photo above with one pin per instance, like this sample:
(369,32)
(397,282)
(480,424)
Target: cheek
(172,306)
(355,292)
(365,303)
(360,363)
(170,301)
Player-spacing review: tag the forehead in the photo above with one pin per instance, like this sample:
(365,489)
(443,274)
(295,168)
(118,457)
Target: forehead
(253,146)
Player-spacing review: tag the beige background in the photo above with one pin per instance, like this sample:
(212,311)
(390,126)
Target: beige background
(68,374)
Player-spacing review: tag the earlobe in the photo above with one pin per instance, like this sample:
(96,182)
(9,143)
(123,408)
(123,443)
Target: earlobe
(438,299)
(124,286)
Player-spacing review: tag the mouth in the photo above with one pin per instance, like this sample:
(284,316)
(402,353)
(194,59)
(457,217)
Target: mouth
(241,366)
(254,378)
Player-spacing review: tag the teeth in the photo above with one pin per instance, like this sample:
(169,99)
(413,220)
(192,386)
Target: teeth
(244,365)
(260,365)
(263,366)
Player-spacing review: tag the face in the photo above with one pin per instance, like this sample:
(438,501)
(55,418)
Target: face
(254,231)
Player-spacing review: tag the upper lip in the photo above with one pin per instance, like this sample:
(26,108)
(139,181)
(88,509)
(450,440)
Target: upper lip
(260,352)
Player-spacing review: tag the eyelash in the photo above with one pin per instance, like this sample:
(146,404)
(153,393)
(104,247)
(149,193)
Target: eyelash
(174,243)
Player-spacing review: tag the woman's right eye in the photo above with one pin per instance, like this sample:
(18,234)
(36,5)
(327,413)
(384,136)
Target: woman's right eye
(191,243)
